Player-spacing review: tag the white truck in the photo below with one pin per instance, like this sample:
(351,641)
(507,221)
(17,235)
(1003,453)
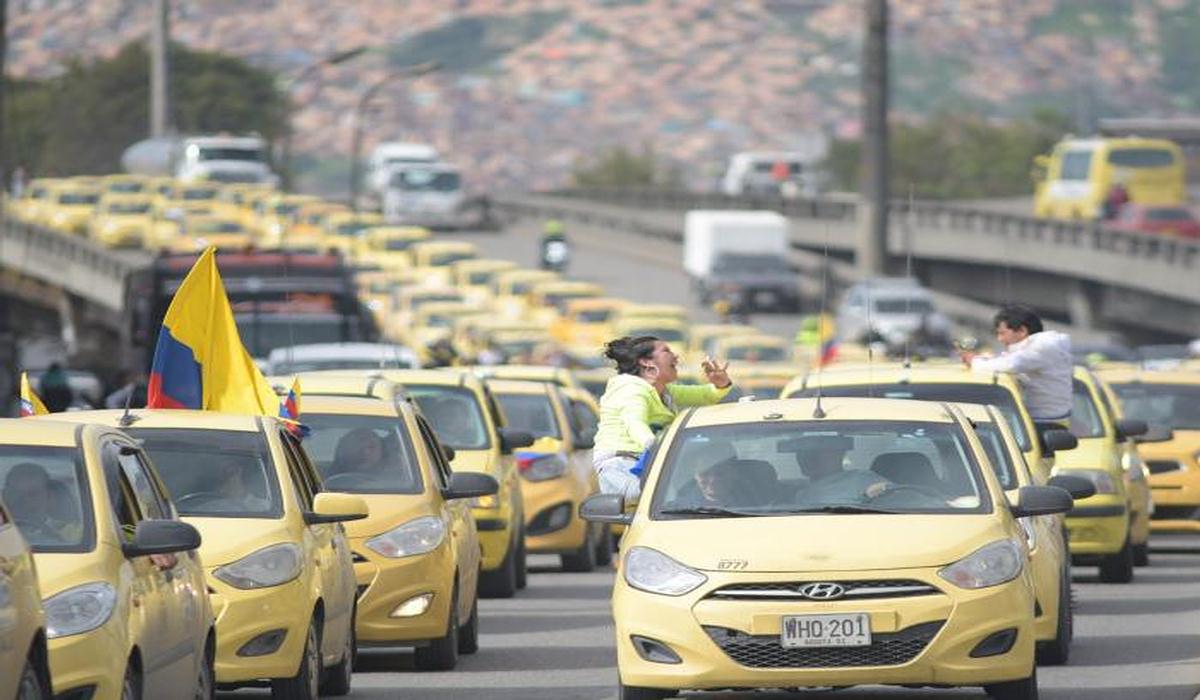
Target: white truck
(215,158)
(391,154)
(741,257)
(424,194)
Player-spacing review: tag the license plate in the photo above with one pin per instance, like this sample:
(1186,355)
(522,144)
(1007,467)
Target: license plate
(848,630)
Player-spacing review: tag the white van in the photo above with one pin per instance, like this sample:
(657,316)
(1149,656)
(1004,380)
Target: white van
(780,173)
(390,154)
(424,194)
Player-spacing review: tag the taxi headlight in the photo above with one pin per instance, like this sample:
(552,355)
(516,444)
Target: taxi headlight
(654,572)
(1030,532)
(990,565)
(414,537)
(1102,480)
(490,501)
(269,566)
(79,609)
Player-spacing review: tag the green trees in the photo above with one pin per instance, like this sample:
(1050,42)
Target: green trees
(80,121)
(621,167)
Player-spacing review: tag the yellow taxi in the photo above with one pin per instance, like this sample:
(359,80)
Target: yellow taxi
(441,253)
(702,337)
(511,288)
(24,659)
(556,472)
(762,380)
(653,311)
(558,293)
(276,557)
(465,417)
(906,563)
(387,247)
(595,379)
(275,216)
(199,232)
(409,301)
(586,321)
(308,219)
(752,349)
(1169,401)
(341,230)
(33,201)
(234,198)
(69,207)
(474,276)
(127,610)
(122,220)
(179,195)
(435,320)
(546,374)
(666,328)
(124,183)
(1046,536)
(417,554)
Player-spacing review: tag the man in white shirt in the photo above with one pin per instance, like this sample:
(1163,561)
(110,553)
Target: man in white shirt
(1040,360)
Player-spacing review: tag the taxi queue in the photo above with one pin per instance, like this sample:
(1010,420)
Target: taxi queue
(168,553)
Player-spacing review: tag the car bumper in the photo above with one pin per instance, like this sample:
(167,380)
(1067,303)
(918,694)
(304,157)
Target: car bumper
(941,631)
(93,660)
(1097,527)
(386,584)
(495,535)
(244,616)
(1047,572)
(552,522)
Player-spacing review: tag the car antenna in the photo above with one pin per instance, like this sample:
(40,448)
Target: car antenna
(127,418)
(908,256)
(819,412)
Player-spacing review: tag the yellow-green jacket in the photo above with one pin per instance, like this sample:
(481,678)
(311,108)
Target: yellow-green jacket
(630,406)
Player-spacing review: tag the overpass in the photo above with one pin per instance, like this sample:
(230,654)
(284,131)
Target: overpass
(1095,277)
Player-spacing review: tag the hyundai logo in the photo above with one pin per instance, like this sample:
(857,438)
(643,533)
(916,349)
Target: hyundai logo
(823,591)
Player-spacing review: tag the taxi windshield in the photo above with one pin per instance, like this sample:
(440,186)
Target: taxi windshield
(362,454)
(447,259)
(215,473)
(757,353)
(594,315)
(1174,405)
(454,413)
(1002,460)
(796,468)
(1085,416)
(46,491)
(530,412)
(984,394)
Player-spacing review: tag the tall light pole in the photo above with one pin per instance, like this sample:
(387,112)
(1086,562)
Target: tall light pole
(3,95)
(360,117)
(160,122)
(309,70)
(871,255)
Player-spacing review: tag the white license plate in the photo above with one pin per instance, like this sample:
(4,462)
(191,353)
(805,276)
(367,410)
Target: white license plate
(848,630)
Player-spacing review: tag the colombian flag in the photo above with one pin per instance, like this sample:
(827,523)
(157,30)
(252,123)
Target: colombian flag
(31,405)
(289,411)
(200,362)
(828,339)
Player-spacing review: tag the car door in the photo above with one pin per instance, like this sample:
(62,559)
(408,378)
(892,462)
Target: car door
(462,525)
(506,473)
(17,627)
(155,615)
(333,557)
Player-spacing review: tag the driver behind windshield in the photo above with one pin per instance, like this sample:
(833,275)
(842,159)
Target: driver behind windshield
(360,451)
(821,459)
(29,494)
(233,489)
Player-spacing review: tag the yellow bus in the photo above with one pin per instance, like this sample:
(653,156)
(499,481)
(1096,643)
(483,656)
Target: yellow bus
(1073,181)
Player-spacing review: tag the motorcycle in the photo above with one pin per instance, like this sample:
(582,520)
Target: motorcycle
(556,254)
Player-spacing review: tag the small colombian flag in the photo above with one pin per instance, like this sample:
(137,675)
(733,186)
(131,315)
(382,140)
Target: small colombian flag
(289,411)
(31,405)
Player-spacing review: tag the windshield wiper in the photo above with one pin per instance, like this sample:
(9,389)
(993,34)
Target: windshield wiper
(714,511)
(845,508)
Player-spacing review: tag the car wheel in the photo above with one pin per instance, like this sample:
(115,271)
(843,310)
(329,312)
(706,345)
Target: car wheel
(629,692)
(31,686)
(1118,568)
(1141,554)
(336,679)
(441,654)
(583,559)
(206,681)
(131,686)
(501,583)
(1024,689)
(522,557)
(604,548)
(468,634)
(1057,651)
(306,684)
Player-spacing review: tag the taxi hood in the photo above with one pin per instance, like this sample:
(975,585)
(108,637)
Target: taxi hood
(1092,453)
(812,543)
(58,572)
(387,511)
(225,540)
(1183,445)
(481,461)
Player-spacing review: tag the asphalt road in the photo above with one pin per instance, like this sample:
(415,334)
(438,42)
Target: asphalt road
(554,641)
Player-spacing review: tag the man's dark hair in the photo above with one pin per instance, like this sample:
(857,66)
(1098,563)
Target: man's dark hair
(1016,315)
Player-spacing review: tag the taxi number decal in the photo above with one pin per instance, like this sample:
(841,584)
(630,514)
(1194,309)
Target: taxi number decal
(732,564)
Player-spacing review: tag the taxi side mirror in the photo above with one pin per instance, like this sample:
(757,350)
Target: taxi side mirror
(1156,433)
(1131,428)
(449,452)
(161,537)
(1077,486)
(1055,440)
(470,485)
(1041,500)
(586,440)
(511,439)
(336,508)
(605,508)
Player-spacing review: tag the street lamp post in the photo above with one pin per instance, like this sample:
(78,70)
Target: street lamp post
(359,118)
(309,70)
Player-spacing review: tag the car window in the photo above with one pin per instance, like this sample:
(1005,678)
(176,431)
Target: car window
(795,467)
(303,476)
(434,449)
(999,455)
(362,454)
(531,412)
(150,503)
(585,417)
(214,473)
(47,493)
(1174,405)
(1085,415)
(455,414)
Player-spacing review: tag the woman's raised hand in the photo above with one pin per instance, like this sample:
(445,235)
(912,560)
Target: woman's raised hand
(715,372)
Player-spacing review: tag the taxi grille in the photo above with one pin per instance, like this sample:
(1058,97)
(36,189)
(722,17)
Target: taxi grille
(852,590)
(1162,466)
(1176,513)
(765,651)
(357,558)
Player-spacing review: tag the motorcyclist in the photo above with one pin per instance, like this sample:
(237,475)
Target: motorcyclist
(555,249)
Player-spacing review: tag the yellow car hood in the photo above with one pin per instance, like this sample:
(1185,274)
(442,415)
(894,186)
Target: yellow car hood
(225,540)
(387,511)
(475,461)
(821,542)
(58,572)
(1092,453)
(1185,444)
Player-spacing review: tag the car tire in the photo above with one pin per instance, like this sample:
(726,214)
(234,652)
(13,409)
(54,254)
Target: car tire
(306,684)
(583,559)
(1118,568)
(206,681)
(522,562)
(1024,689)
(501,583)
(336,679)
(441,654)
(604,548)
(131,685)
(33,683)
(1057,651)
(468,633)
(630,692)
(1141,554)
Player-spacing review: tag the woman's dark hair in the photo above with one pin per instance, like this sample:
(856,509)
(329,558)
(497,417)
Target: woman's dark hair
(626,352)
(1016,315)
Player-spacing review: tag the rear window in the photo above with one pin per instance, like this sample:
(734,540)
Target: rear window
(454,413)
(362,454)
(46,492)
(531,412)
(998,455)
(215,473)
(1141,158)
(1075,165)
(1085,416)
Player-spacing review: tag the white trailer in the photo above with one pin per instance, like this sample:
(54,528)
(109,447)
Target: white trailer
(708,235)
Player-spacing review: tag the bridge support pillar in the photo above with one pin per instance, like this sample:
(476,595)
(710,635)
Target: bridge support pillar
(1083,305)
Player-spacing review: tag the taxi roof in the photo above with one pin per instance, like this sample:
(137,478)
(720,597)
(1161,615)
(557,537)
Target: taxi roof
(367,383)
(444,245)
(758,338)
(167,418)
(517,386)
(836,409)
(346,405)
(894,373)
(43,431)
(534,373)
(483,264)
(586,303)
(1127,375)
(435,377)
